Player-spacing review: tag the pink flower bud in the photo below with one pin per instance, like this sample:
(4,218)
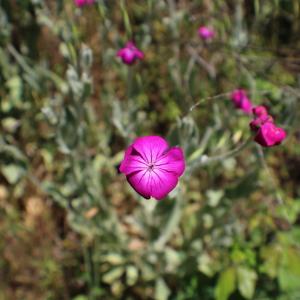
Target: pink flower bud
(269,135)
(130,53)
(246,106)
(259,111)
(257,122)
(241,100)
(81,3)
(206,33)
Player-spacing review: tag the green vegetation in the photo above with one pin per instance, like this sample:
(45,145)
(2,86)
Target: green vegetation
(71,227)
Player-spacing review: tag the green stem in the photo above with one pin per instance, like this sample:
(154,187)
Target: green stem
(270,175)
(88,268)
(171,225)
(205,160)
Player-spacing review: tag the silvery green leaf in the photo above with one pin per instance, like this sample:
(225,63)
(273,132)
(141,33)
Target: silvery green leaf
(118,118)
(67,135)
(214,197)
(15,86)
(50,115)
(206,265)
(173,259)
(63,49)
(114,258)
(148,273)
(86,57)
(12,152)
(10,124)
(162,291)
(131,275)
(246,282)
(74,81)
(240,36)
(13,173)
(208,221)
(113,275)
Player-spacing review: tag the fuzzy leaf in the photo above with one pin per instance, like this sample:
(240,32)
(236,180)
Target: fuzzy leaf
(162,291)
(246,282)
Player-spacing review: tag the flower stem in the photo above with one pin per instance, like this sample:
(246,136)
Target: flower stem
(172,223)
(270,175)
(205,160)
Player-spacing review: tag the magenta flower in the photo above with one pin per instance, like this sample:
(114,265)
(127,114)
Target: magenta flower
(206,33)
(260,117)
(241,100)
(151,167)
(256,123)
(269,135)
(81,3)
(260,111)
(130,53)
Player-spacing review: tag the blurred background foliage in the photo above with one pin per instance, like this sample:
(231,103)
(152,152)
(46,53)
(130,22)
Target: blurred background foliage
(70,225)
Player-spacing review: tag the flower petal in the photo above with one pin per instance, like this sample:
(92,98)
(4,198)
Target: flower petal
(120,52)
(246,105)
(172,161)
(132,162)
(157,183)
(269,135)
(140,182)
(150,147)
(139,54)
(279,135)
(130,44)
(162,183)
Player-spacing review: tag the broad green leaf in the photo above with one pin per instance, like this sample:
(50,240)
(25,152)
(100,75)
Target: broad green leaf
(271,256)
(289,272)
(246,282)
(226,284)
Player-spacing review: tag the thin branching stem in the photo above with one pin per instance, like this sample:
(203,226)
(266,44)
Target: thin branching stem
(270,175)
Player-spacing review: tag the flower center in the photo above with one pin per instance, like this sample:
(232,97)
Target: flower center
(151,166)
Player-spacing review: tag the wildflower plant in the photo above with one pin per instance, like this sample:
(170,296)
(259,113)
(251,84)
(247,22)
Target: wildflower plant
(75,120)
(130,53)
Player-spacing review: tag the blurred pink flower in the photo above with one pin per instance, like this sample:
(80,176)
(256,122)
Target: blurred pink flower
(81,3)
(151,167)
(130,53)
(269,135)
(256,123)
(241,100)
(260,117)
(206,33)
(260,111)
